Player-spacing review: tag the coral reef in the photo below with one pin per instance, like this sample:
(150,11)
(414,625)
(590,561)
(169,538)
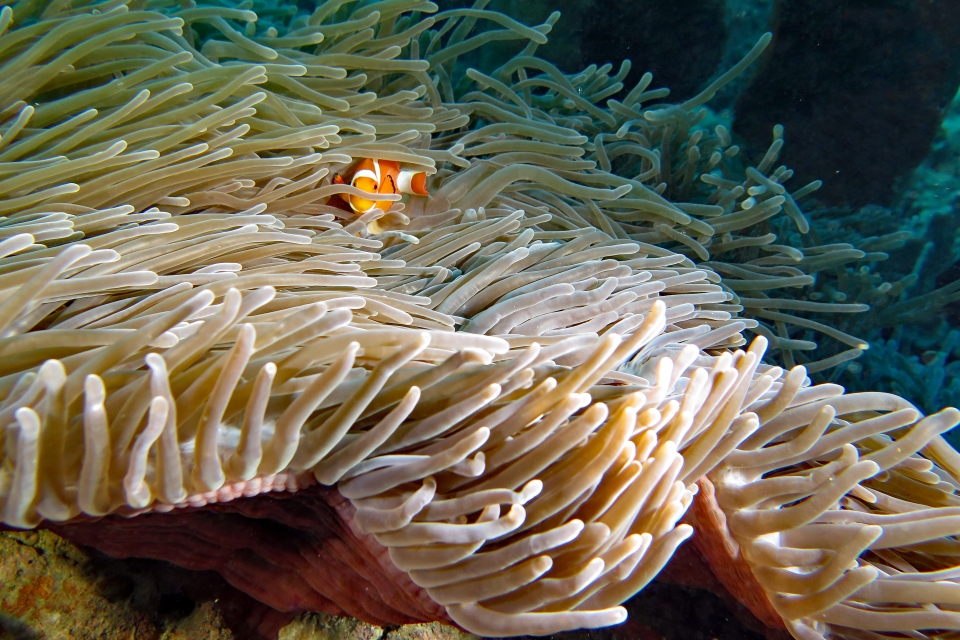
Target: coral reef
(49,588)
(95,597)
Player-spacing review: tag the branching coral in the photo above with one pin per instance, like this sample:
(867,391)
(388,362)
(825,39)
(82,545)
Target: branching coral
(517,382)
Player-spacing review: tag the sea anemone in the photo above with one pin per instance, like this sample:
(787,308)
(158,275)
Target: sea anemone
(517,385)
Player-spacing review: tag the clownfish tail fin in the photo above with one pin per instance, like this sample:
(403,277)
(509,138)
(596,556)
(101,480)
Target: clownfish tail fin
(419,184)
(414,182)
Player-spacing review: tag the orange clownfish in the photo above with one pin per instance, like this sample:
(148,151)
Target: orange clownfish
(378,176)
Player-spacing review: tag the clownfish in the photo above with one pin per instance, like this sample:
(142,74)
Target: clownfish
(378,176)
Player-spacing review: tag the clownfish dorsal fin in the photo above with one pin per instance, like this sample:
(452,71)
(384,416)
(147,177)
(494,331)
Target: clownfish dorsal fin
(338,179)
(389,166)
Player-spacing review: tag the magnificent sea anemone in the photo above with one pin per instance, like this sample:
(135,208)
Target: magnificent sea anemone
(503,398)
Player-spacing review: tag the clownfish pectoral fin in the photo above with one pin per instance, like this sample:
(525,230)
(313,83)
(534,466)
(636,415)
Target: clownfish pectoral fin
(387,185)
(413,182)
(338,179)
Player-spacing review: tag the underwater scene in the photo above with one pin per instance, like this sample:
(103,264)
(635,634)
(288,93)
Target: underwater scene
(441,319)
